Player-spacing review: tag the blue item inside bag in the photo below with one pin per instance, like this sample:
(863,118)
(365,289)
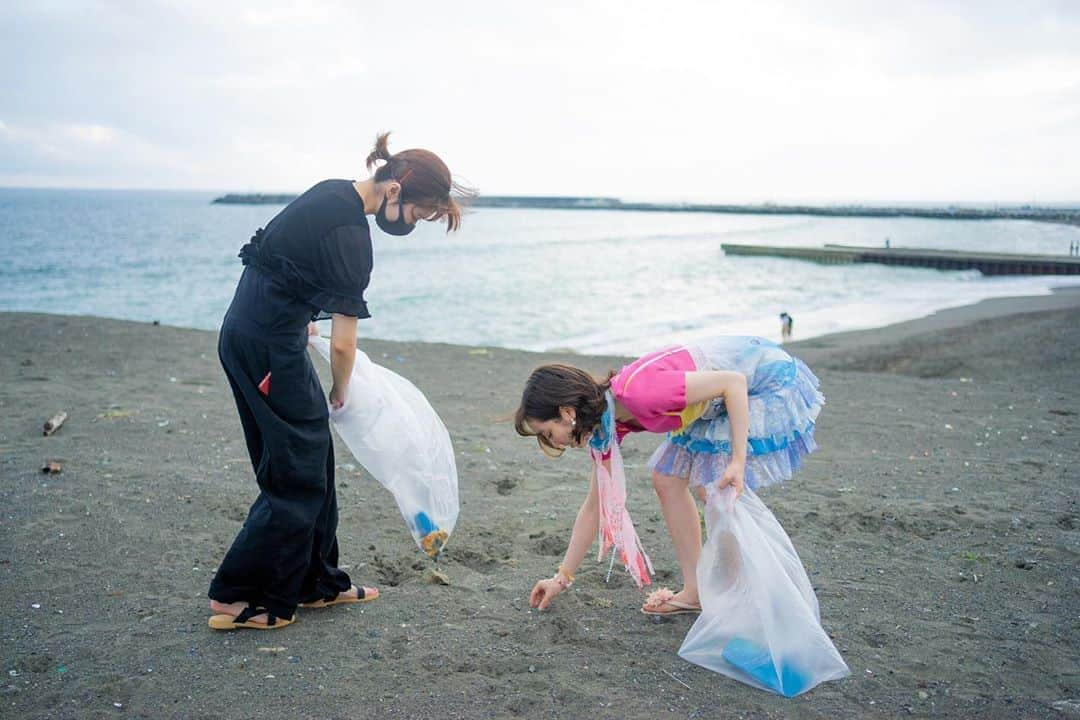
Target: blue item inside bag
(424,524)
(755,661)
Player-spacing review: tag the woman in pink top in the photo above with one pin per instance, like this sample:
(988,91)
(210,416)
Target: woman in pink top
(737,411)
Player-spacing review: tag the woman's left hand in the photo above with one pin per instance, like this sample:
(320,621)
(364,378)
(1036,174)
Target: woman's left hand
(338,397)
(734,476)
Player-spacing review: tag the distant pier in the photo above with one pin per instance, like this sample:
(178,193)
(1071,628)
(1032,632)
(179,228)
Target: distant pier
(986,263)
(1064,215)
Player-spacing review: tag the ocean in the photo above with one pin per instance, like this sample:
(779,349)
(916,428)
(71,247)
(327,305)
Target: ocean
(596,281)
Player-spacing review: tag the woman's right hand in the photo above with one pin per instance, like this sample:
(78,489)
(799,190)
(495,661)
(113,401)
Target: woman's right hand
(337,396)
(543,593)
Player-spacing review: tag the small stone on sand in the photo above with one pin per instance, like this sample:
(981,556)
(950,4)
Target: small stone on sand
(437,577)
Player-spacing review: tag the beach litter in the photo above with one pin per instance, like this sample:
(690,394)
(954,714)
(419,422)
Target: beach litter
(53,424)
(674,677)
(115,412)
(52,467)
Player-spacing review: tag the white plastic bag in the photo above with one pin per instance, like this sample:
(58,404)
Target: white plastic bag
(759,622)
(393,431)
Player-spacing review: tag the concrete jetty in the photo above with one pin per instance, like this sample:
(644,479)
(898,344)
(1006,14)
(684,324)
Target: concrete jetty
(1052,214)
(986,263)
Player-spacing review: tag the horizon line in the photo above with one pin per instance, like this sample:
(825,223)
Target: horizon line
(747,203)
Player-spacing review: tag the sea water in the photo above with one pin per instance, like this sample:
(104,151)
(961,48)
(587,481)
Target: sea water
(591,281)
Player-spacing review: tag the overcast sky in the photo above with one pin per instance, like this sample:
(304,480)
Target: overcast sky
(755,101)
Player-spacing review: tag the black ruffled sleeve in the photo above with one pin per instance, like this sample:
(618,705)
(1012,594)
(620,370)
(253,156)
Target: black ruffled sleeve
(343,262)
(332,274)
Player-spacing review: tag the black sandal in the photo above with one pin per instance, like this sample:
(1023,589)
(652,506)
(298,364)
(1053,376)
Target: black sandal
(243,620)
(361,596)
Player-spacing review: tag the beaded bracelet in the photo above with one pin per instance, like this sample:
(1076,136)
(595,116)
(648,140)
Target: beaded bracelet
(564,584)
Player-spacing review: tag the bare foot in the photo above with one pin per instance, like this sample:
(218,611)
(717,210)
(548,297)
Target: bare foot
(687,597)
(352,595)
(370,593)
(235,609)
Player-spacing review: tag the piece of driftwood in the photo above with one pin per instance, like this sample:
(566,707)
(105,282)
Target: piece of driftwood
(53,424)
(52,467)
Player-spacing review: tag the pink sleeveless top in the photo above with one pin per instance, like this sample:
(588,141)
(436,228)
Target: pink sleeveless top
(653,389)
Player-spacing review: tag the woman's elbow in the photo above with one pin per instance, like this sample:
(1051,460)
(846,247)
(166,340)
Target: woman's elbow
(736,385)
(343,348)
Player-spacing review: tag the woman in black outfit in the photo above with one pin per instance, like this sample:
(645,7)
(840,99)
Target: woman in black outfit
(312,261)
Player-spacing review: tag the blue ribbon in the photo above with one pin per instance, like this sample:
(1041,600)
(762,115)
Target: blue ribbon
(604,434)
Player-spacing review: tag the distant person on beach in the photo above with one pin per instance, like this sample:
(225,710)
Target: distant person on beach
(738,411)
(786,324)
(312,261)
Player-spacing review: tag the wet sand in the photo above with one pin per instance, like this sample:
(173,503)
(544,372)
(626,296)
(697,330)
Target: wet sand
(939,524)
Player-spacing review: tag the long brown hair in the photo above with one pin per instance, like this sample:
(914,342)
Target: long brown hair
(424,178)
(550,387)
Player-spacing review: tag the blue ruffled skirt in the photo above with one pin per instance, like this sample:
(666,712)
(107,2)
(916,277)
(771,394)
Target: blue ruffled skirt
(784,403)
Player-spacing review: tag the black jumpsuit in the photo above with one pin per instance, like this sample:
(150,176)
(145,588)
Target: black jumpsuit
(313,258)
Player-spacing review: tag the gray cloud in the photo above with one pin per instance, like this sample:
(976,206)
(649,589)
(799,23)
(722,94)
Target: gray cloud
(795,101)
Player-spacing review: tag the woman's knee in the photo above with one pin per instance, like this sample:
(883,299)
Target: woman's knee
(668,484)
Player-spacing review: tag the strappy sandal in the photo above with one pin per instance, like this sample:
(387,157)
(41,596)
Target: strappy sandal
(664,598)
(243,620)
(362,596)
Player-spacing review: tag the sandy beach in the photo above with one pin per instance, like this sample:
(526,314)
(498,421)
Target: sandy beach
(939,523)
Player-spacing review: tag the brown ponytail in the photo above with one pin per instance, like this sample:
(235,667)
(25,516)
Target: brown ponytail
(381,151)
(424,178)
